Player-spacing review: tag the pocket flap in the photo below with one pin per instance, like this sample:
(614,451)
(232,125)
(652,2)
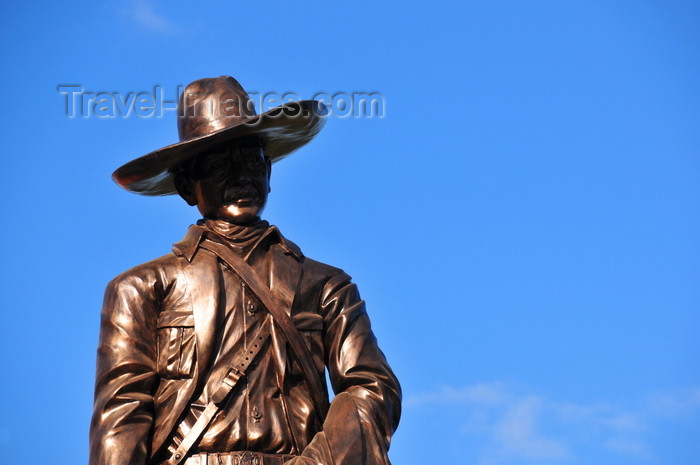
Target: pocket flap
(306,321)
(172,318)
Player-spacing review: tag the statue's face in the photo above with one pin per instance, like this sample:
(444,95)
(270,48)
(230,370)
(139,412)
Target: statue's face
(230,182)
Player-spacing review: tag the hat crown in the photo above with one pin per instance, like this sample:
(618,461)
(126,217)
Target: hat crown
(211,104)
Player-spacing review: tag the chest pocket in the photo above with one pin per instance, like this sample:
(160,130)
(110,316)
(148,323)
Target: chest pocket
(176,344)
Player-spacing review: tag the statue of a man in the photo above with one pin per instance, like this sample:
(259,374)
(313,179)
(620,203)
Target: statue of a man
(216,353)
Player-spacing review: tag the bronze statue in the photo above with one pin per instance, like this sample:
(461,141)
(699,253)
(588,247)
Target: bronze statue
(215,354)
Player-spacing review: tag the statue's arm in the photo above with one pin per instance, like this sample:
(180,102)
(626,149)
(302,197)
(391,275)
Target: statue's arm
(365,411)
(122,422)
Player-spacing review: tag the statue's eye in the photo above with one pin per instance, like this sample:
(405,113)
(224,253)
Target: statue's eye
(215,167)
(254,162)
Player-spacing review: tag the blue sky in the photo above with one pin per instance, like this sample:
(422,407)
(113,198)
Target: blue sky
(523,221)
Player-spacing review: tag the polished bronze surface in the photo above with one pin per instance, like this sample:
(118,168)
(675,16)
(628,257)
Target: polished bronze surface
(217,353)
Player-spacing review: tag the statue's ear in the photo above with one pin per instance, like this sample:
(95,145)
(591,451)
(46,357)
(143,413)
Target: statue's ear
(185,188)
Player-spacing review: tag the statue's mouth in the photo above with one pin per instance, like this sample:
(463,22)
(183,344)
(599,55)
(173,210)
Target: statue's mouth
(247,195)
(246,201)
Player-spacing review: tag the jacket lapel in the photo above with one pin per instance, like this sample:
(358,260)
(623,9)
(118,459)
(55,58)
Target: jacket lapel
(278,265)
(204,284)
(283,276)
(276,261)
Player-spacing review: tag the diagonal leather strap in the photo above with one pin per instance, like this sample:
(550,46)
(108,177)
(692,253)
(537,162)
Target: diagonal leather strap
(235,372)
(279,315)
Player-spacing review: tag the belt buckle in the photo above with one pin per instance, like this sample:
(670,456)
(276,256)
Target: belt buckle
(249,458)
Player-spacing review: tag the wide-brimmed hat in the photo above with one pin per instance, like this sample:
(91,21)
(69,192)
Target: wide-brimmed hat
(213,111)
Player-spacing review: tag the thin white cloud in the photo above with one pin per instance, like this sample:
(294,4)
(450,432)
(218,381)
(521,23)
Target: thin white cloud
(680,403)
(600,415)
(518,433)
(515,427)
(510,422)
(482,394)
(629,447)
(145,15)
(624,421)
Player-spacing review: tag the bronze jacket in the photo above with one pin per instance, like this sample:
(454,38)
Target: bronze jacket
(159,335)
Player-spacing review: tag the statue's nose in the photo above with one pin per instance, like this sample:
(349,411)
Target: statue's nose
(238,175)
(240,172)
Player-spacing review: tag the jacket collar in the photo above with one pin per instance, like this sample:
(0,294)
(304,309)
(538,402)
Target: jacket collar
(188,246)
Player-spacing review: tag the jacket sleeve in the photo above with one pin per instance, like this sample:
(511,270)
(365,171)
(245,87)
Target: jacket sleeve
(366,409)
(122,422)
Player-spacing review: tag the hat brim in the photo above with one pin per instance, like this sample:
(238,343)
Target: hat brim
(283,129)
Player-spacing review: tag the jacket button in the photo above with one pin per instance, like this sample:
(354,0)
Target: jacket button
(257,414)
(252,308)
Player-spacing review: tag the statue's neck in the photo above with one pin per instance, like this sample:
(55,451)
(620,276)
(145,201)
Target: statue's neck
(238,235)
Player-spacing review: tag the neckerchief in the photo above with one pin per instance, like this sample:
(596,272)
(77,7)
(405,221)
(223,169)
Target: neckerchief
(239,236)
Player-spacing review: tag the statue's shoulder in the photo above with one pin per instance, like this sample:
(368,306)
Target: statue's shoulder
(160,272)
(317,274)
(312,268)
(156,272)
(320,269)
